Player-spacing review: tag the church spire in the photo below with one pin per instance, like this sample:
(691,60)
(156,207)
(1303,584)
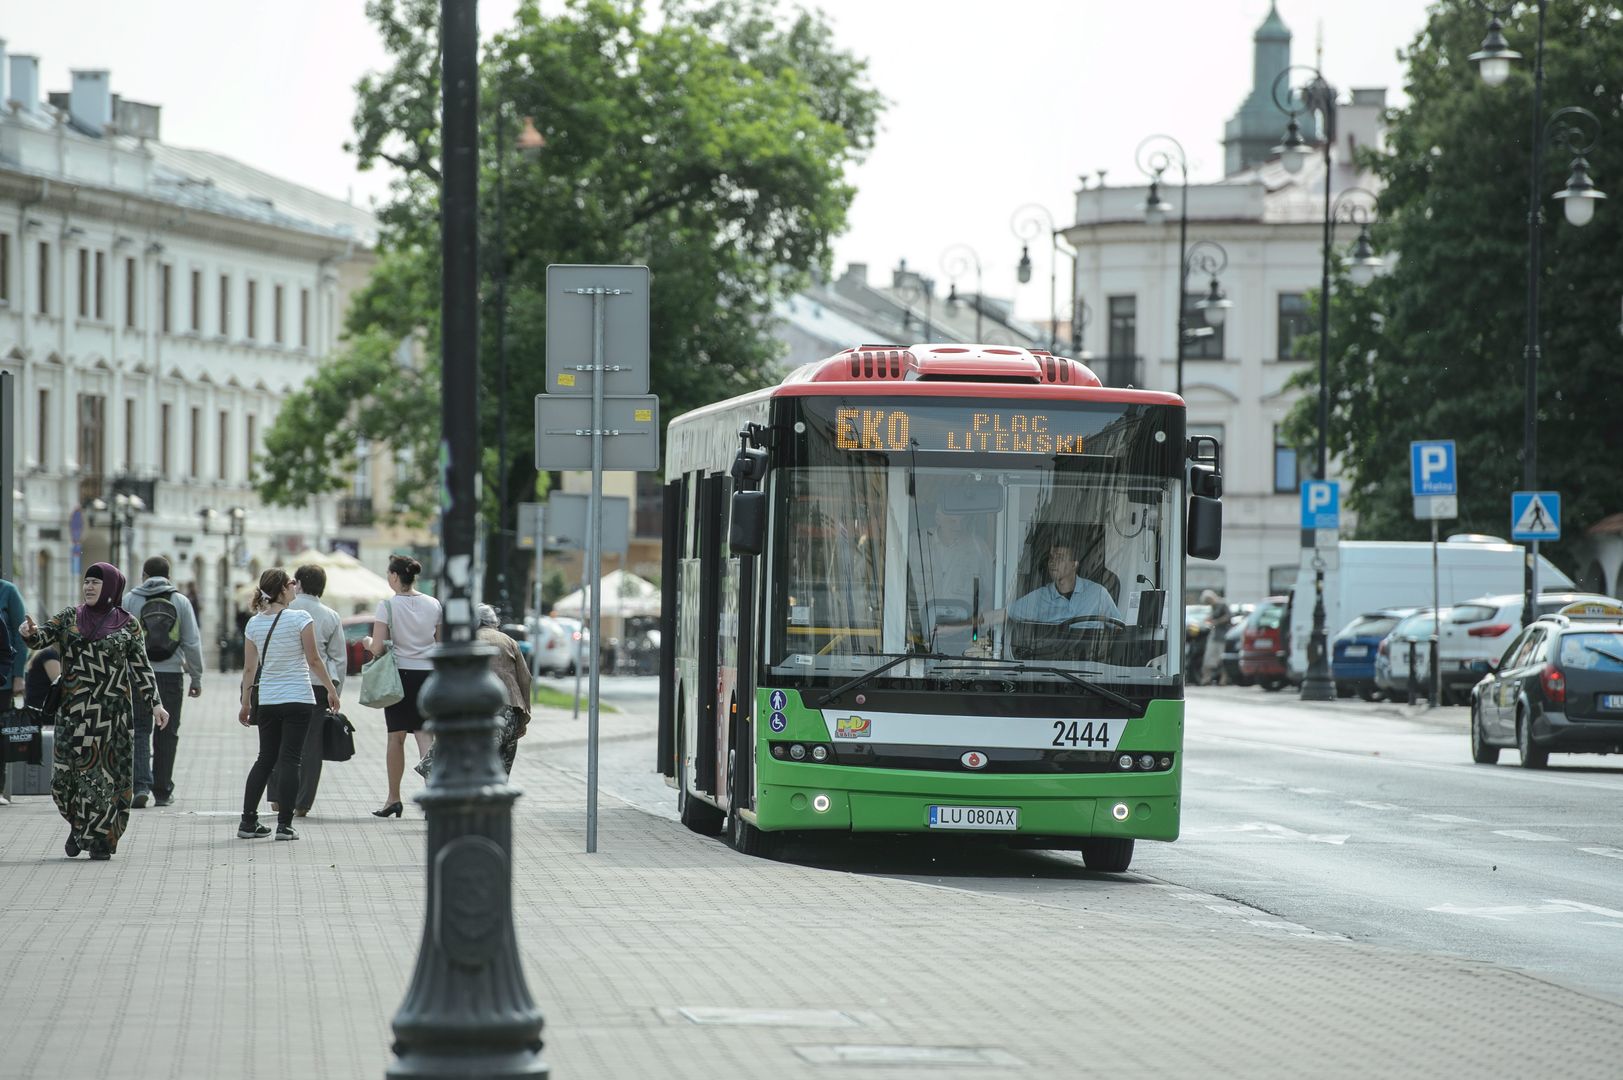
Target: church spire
(1249,138)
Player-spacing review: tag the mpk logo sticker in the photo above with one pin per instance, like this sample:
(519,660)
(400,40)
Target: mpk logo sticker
(852,727)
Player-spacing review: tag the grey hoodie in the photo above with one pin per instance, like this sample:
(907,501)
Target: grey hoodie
(187,658)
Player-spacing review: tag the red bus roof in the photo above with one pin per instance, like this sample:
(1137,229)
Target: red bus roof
(952,370)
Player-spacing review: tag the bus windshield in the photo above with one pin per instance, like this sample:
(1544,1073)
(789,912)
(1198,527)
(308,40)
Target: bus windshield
(1017,539)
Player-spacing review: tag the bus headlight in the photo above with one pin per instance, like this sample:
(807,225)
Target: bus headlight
(1146,761)
(819,753)
(1125,761)
(797,752)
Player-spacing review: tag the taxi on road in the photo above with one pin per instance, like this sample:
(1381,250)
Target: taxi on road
(1558,686)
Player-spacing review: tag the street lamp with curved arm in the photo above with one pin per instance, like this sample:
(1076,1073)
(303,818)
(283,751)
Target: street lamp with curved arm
(1210,259)
(955,262)
(1028,223)
(1154,156)
(1358,206)
(911,291)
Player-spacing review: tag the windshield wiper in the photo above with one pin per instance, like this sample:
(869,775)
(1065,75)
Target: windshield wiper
(1086,684)
(1602,652)
(895,659)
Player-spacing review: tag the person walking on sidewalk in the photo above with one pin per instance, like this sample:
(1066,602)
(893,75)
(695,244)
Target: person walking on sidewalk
(104,666)
(409,623)
(507,665)
(329,627)
(176,651)
(280,661)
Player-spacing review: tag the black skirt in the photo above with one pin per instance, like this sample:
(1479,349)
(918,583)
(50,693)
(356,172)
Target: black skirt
(403,714)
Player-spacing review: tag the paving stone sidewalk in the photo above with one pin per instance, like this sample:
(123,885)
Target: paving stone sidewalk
(194,954)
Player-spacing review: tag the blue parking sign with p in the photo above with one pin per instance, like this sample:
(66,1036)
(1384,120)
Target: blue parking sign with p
(1321,504)
(1431,468)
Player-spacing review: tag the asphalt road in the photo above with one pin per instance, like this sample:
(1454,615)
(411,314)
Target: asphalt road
(1327,822)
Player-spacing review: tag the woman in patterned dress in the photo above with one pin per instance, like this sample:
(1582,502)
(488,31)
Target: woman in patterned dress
(104,662)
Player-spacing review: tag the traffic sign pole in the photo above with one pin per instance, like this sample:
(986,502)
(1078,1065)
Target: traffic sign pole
(1534,516)
(594,540)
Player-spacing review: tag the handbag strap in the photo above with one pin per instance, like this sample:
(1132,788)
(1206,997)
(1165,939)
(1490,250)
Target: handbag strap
(259,668)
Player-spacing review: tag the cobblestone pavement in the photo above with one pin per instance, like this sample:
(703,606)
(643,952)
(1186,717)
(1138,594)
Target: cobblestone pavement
(194,954)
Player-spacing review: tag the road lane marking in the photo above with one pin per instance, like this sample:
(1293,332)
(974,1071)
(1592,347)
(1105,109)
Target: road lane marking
(1268,828)
(1372,805)
(1609,852)
(1503,912)
(1312,791)
(1579,905)
(1523,834)
(1453,819)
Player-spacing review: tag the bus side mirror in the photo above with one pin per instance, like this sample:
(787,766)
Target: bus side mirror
(1205,480)
(1205,527)
(747,534)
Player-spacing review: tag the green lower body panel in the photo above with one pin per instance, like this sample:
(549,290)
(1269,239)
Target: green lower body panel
(862,800)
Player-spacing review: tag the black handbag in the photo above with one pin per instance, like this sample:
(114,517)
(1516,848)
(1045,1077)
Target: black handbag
(259,668)
(337,738)
(20,737)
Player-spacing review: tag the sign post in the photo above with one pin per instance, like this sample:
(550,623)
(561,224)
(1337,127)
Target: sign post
(1321,514)
(1535,516)
(8,465)
(1434,483)
(597,354)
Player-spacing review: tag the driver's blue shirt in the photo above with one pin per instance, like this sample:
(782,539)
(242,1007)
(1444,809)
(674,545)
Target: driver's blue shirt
(1046,605)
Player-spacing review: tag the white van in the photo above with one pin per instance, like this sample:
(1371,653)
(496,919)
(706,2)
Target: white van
(1375,574)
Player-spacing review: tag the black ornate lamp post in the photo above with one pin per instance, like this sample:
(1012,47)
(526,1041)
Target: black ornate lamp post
(1080,317)
(1577,131)
(1155,155)
(120,511)
(912,290)
(1318,685)
(1028,223)
(955,262)
(468,1012)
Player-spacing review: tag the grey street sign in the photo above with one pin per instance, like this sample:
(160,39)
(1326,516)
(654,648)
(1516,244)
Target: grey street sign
(1436,507)
(563,433)
(529,525)
(566,522)
(571,326)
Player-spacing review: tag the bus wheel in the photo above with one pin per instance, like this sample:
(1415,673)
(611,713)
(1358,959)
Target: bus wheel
(743,836)
(696,814)
(1107,854)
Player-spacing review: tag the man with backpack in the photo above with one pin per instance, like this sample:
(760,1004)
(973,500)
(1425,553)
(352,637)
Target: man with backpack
(175,651)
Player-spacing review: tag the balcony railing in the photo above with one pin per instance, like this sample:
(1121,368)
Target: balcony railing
(355,510)
(1120,370)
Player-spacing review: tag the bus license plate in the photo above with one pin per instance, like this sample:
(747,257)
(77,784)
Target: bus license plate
(996,818)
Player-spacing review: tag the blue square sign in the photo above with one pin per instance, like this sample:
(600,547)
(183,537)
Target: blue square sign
(1535,515)
(1321,504)
(1431,468)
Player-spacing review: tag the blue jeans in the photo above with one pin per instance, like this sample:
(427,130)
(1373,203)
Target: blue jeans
(155,748)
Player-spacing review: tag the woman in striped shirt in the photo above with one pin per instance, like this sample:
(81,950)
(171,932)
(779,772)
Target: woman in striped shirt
(281,658)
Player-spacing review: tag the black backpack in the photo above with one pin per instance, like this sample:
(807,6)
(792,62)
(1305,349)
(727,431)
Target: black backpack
(160,618)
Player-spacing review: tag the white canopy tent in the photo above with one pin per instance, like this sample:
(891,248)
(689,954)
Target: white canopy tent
(625,595)
(352,588)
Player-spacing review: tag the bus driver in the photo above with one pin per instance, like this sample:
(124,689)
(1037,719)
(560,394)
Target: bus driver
(1065,599)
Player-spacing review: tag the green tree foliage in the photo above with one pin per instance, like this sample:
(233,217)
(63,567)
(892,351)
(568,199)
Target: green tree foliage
(709,142)
(1433,350)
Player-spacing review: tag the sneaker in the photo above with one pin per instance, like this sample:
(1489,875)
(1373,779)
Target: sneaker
(285,832)
(252,832)
(4,801)
(140,799)
(164,800)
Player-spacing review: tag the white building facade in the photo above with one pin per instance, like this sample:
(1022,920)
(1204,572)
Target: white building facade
(1269,223)
(156,305)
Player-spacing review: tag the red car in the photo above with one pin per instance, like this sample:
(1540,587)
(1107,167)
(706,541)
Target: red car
(1265,644)
(356,629)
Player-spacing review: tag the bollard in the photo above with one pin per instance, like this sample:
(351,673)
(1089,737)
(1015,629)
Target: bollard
(1413,684)
(1434,685)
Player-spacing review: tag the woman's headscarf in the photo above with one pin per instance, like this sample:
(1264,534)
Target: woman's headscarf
(487,615)
(105,616)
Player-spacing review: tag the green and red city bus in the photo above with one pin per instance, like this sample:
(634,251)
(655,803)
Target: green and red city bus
(842,650)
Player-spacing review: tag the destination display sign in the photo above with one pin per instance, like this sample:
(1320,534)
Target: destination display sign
(1001,430)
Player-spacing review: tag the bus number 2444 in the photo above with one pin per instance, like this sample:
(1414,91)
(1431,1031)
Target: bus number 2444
(1088,734)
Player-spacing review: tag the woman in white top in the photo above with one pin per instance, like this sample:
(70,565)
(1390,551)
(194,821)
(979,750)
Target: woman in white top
(408,622)
(280,652)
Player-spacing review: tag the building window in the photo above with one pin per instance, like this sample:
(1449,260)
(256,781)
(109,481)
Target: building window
(129,293)
(44,429)
(1199,344)
(1290,468)
(196,443)
(5,268)
(276,314)
(361,486)
(166,292)
(197,301)
(165,460)
(92,434)
(101,286)
(253,435)
(129,435)
(44,278)
(225,443)
(1293,323)
(1123,325)
(84,283)
(225,305)
(304,318)
(253,310)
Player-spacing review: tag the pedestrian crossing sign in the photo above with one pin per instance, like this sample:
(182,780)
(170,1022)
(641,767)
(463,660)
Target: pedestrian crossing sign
(1535,515)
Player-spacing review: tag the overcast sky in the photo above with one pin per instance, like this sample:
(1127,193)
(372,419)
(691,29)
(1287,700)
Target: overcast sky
(993,105)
